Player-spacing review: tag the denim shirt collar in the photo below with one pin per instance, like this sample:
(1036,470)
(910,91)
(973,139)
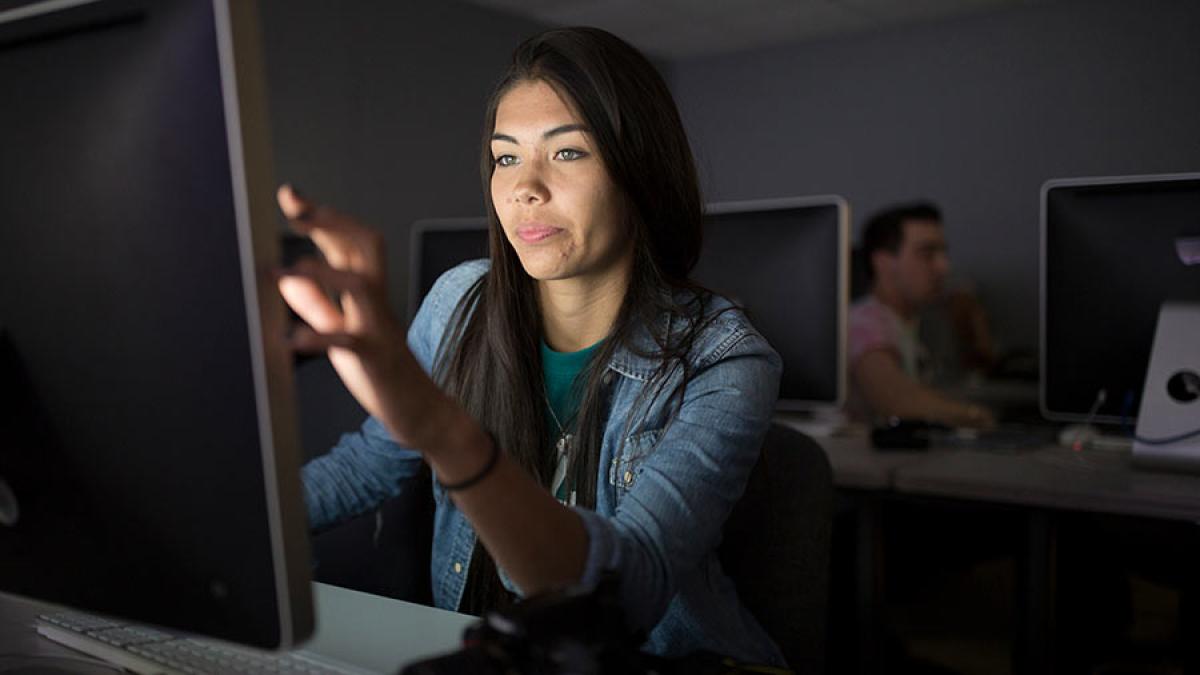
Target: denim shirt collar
(637,360)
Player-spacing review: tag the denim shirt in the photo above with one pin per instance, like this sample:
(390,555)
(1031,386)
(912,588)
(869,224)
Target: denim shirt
(663,494)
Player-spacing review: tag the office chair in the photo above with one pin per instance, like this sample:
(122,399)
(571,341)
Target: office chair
(776,545)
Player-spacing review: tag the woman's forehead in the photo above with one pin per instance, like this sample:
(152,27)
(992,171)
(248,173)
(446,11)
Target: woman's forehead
(533,105)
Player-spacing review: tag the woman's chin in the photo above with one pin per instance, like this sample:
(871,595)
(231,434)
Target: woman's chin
(546,267)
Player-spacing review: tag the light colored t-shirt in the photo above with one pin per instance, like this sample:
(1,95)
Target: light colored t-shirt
(875,326)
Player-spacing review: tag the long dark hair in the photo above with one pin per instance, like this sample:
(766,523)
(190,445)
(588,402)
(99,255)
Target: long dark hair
(490,357)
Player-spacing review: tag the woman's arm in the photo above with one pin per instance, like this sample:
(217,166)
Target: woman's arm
(367,466)
(539,543)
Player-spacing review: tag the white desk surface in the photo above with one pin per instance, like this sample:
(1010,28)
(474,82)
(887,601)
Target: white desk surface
(371,632)
(380,634)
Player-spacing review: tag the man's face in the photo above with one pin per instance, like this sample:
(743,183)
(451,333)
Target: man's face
(918,270)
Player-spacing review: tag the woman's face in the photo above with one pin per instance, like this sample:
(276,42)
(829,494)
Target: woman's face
(558,207)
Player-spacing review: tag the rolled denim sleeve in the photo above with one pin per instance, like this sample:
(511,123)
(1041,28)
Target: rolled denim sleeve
(367,467)
(673,516)
(364,469)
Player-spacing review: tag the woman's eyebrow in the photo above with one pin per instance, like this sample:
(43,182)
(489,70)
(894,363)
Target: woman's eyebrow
(563,129)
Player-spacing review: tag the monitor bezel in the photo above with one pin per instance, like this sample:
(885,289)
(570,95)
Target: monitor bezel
(1043,233)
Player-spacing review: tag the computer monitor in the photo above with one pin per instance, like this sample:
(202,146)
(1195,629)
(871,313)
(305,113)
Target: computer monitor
(437,245)
(787,262)
(149,445)
(1111,255)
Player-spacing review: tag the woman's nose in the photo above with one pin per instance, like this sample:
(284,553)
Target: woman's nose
(530,187)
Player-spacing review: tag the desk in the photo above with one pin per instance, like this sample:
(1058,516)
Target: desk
(1050,477)
(369,631)
(1040,480)
(1054,477)
(858,466)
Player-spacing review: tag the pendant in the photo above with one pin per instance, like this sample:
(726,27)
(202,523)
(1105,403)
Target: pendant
(564,442)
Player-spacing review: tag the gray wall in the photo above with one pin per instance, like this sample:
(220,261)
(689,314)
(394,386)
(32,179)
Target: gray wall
(376,107)
(974,112)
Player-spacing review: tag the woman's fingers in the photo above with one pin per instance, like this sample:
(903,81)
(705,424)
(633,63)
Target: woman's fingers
(363,307)
(308,341)
(308,299)
(345,243)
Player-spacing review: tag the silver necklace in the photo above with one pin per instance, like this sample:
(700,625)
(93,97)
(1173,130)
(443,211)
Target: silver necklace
(561,448)
(564,438)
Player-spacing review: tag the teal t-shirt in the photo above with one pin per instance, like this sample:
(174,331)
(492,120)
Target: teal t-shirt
(561,370)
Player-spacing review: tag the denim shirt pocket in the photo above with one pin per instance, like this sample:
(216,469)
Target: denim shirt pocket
(626,465)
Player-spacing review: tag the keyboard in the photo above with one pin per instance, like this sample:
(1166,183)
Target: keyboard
(149,651)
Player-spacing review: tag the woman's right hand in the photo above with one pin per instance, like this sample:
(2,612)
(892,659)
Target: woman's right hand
(364,341)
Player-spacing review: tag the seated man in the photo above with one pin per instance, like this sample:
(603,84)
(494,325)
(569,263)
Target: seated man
(904,252)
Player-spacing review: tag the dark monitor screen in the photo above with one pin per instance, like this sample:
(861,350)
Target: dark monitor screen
(437,246)
(148,440)
(1111,254)
(786,262)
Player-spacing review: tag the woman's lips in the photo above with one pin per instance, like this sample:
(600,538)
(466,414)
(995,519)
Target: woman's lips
(532,234)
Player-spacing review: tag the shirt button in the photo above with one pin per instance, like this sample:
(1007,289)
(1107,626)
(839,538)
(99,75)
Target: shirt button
(628,477)
(607,379)
(458,568)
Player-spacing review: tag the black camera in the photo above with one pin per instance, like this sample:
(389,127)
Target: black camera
(569,631)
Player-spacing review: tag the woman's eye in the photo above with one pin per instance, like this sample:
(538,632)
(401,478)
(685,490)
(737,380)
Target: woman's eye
(505,160)
(569,154)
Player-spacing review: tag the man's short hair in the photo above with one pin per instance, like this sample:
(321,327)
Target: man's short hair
(885,232)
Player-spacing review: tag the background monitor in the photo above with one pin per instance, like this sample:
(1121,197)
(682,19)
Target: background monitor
(148,433)
(1111,254)
(438,244)
(787,262)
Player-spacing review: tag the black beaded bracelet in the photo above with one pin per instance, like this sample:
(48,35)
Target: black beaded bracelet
(483,473)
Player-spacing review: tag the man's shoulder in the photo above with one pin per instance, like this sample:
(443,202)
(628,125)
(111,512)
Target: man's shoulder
(869,314)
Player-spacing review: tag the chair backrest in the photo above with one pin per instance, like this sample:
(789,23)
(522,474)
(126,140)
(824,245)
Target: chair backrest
(776,545)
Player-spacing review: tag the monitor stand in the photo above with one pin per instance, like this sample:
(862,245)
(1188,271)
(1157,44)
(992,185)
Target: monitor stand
(1170,406)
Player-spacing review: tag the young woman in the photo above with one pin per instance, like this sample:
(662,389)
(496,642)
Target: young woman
(582,405)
